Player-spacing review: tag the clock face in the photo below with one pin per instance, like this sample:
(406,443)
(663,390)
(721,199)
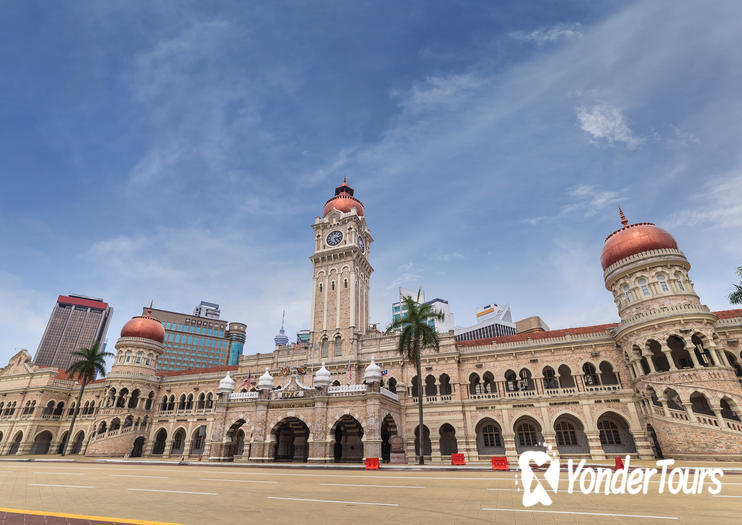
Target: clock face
(361,244)
(334,238)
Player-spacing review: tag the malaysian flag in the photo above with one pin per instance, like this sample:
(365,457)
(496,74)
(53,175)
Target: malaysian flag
(246,381)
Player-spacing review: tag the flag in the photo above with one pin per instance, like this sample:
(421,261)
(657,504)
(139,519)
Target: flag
(247,381)
(384,372)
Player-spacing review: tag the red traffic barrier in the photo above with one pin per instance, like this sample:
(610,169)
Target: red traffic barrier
(619,464)
(458,459)
(372,463)
(500,463)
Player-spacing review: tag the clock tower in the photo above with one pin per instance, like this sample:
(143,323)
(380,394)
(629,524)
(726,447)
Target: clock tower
(340,283)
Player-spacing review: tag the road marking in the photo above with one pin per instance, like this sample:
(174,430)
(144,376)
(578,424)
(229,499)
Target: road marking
(369,476)
(61,473)
(336,501)
(721,495)
(66,486)
(238,480)
(176,492)
(135,476)
(373,486)
(587,513)
(85,517)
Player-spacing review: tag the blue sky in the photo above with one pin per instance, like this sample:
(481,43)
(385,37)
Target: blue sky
(179,151)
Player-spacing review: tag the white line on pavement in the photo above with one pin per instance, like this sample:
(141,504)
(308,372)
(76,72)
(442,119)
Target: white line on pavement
(715,495)
(238,480)
(62,473)
(375,486)
(66,486)
(176,492)
(336,501)
(136,476)
(586,513)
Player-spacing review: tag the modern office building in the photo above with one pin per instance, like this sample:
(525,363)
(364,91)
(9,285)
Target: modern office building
(207,310)
(77,321)
(493,320)
(193,341)
(302,337)
(438,304)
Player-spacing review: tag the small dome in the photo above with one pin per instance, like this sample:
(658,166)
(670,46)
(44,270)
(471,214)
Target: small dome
(633,239)
(373,373)
(144,326)
(266,381)
(343,201)
(226,384)
(322,376)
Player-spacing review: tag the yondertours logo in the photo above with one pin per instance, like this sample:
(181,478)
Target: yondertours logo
(607,481)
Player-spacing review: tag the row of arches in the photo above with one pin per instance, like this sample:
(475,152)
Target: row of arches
(431,387)
(569,435)
(124,399)
(42,443)
(129,423)
(177,443)
(187,402)
(676,353)
(697,401)
(559,378)
(139,358)
(644,286)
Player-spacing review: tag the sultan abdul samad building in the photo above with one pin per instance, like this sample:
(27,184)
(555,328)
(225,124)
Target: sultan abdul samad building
(663,380)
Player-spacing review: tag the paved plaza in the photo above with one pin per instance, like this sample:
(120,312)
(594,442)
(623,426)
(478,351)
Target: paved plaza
(204,494)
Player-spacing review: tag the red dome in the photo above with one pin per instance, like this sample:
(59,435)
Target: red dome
(633,239)
(343,201)
(144,326)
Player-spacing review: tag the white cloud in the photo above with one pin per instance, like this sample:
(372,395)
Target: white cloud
(439,92)
(590,199)
(545,35)
(605,122)
(716,205)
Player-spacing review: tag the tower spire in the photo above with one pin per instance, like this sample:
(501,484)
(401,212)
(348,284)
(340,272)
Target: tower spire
(624,221)
(281,339)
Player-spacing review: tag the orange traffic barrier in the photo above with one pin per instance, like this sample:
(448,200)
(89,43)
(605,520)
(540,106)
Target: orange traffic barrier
(372,463)
(500,463)
(458,459)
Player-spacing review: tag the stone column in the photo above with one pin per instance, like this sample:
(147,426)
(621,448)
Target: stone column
(594,446)
(721,356)
(648,356)
(719,417)
(692,351)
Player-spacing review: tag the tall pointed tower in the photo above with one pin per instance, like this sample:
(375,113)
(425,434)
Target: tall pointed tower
(340,286)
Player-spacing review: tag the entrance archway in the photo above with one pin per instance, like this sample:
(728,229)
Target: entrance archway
(615,436)
(448,440)
(291,435)
(160,440)
(62,444)
(236,437)
(348,444)
(178,442)
(136,450)
(77,443)
(16,444)
(388,429)
(427,448)
(655,442)
(41,443)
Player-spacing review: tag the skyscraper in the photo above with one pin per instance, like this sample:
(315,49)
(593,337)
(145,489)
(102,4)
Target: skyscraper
(198,341)
(76,322)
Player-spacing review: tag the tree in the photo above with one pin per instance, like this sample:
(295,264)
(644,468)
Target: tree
(90,362)
(415,335)
(736,296)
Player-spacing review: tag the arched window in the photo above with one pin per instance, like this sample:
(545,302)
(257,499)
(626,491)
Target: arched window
(565,434)
(430,387)
(415,388)
(643,286)
(511,381)
(325,347)
(609,434)
(210,400)
(475,387)
(627,293)
(338,346)
(139,357)
(332,285)
(345,283)
(527,436)
(679,281)
(320,287)
(445,383)
(663,282)
(550,380)
(591,378)
(491,436)
(526,383)
(392,385)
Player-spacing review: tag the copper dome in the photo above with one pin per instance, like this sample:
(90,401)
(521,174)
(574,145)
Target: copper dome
(633,239)
(144,326)
(343,201)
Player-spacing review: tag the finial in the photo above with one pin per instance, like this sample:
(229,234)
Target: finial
(149,310)
(283,318)
(624,221)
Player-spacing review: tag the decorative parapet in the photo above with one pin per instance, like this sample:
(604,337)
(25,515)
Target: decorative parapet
(346,390)
(389,393)
(658,313)
(531,343)
(664,252)
(240,396)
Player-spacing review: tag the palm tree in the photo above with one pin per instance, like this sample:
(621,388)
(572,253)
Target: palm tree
(736,296)
(91,361)
(415,335)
